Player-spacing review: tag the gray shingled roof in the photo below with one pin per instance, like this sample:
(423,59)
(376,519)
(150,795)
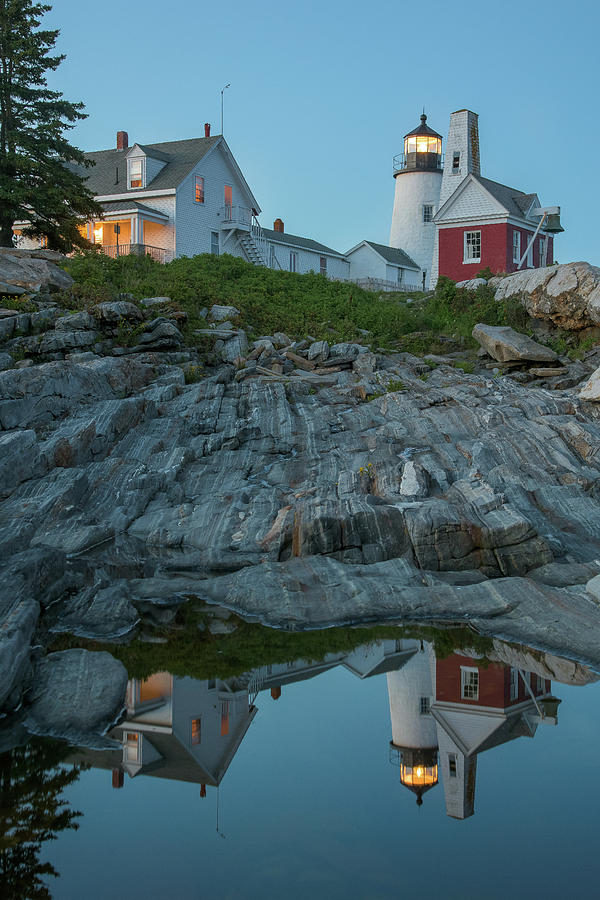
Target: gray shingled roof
(182,156)
(516,202)
(393,255)
(122,205)
(282,237)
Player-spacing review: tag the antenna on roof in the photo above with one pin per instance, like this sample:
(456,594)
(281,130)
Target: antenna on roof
(222,92)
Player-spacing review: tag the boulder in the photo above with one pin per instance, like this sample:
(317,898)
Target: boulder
(6,361)
(60,341)
(113,313)
(161,332)
(319,350)
(591,389)
(155,301)
(77,696)
(566,295)
(504,345)
(471,284)
(31,271)
(221,313)
(345,350)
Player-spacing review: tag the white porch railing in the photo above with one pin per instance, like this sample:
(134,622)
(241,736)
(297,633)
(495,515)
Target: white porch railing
(237,216)
(157,253)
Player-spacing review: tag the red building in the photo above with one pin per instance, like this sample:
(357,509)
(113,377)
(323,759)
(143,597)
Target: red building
(487,224)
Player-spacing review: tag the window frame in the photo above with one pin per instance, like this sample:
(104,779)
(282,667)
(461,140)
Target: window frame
(424,706)
(198,188)
(196,731)
(213,243)
(142,179)
(427,213)
(513,684)
(293,261)
(469,683)
(225,188)
(516,245)
(453,765)
(322,265)
(470,260)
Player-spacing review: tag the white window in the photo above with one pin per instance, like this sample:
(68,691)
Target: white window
(323,265)
(271,256)
(529,260)
(199,189)
(424,706)
(541,684)
(543,251)
(469,681)
(514,684)
(135,170)
(456,163)
(516,246)
(452,764)
(399,276)
(428,213)
(472,247)
(293,261)
(214,243)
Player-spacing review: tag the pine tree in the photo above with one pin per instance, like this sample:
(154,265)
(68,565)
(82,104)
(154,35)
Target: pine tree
(38,181)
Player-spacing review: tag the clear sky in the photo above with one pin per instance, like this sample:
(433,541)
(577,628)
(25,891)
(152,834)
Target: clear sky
(322,93)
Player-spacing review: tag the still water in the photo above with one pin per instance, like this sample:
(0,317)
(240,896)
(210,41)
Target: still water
(290,785)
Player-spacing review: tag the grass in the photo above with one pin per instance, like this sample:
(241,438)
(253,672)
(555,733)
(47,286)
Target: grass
(199,654)
(271,301)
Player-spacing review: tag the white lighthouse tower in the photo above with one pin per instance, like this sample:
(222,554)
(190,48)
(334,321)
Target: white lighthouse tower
(414,744)
(418,175)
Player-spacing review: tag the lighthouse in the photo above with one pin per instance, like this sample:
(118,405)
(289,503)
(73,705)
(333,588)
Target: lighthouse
(418,176)
(414,744)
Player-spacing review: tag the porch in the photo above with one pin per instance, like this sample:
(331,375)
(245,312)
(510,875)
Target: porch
(129,228)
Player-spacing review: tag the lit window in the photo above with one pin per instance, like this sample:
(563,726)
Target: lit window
(224,717)
(196,732)
(514,684)
(228,195)
(472,246)
(323,265)
(136,170)
(516,246)
(428,213)
(452,764)
(132,747)
(44,241)
(469,684)
(293,261)
(214,243)
(199,189)
(424,706)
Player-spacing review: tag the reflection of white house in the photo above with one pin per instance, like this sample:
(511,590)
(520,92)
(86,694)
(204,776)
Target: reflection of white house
(458,708)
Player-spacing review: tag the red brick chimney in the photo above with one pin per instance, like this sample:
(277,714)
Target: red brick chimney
(118,778)
(278,225)
(122,140)
(207,129)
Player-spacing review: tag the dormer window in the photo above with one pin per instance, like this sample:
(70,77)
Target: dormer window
(135,173)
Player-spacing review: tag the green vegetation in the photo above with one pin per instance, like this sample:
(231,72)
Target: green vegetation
(271,301)
(199,654)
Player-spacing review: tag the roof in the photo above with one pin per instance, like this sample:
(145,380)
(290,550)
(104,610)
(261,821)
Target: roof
(115,206)
(109,174)
(293,240)
(423,129)
(516,202)
(393,255)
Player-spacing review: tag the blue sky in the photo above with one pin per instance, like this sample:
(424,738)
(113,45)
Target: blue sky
(322,93)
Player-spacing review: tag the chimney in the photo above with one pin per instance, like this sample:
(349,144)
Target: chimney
(118,778)
(207,129)
(122,140)
(278,225)
(276,692)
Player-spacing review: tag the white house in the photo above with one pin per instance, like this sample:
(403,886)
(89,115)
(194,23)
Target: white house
(377,267)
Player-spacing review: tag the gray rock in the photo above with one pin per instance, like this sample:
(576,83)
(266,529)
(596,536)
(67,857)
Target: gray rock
(113,313)
(81,321)
(155,301)
(504,344)
(6,361)
(471,284)
(220,313)
(281,340)
(318,350)
(31,271)
(345,350)
(77,696)
(61,341)
(98,613)
(163,332)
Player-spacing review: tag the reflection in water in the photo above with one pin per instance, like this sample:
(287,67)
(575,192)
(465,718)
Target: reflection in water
(32,811)
(444,712)
(458,708)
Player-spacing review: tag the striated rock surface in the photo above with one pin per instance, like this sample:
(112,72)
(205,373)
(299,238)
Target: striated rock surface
(504,344)
(339,494)
(567,295)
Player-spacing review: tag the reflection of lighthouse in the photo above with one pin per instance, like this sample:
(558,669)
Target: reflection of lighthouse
(414,733)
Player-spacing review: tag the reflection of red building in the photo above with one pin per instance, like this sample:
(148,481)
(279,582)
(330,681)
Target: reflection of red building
(477,708)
